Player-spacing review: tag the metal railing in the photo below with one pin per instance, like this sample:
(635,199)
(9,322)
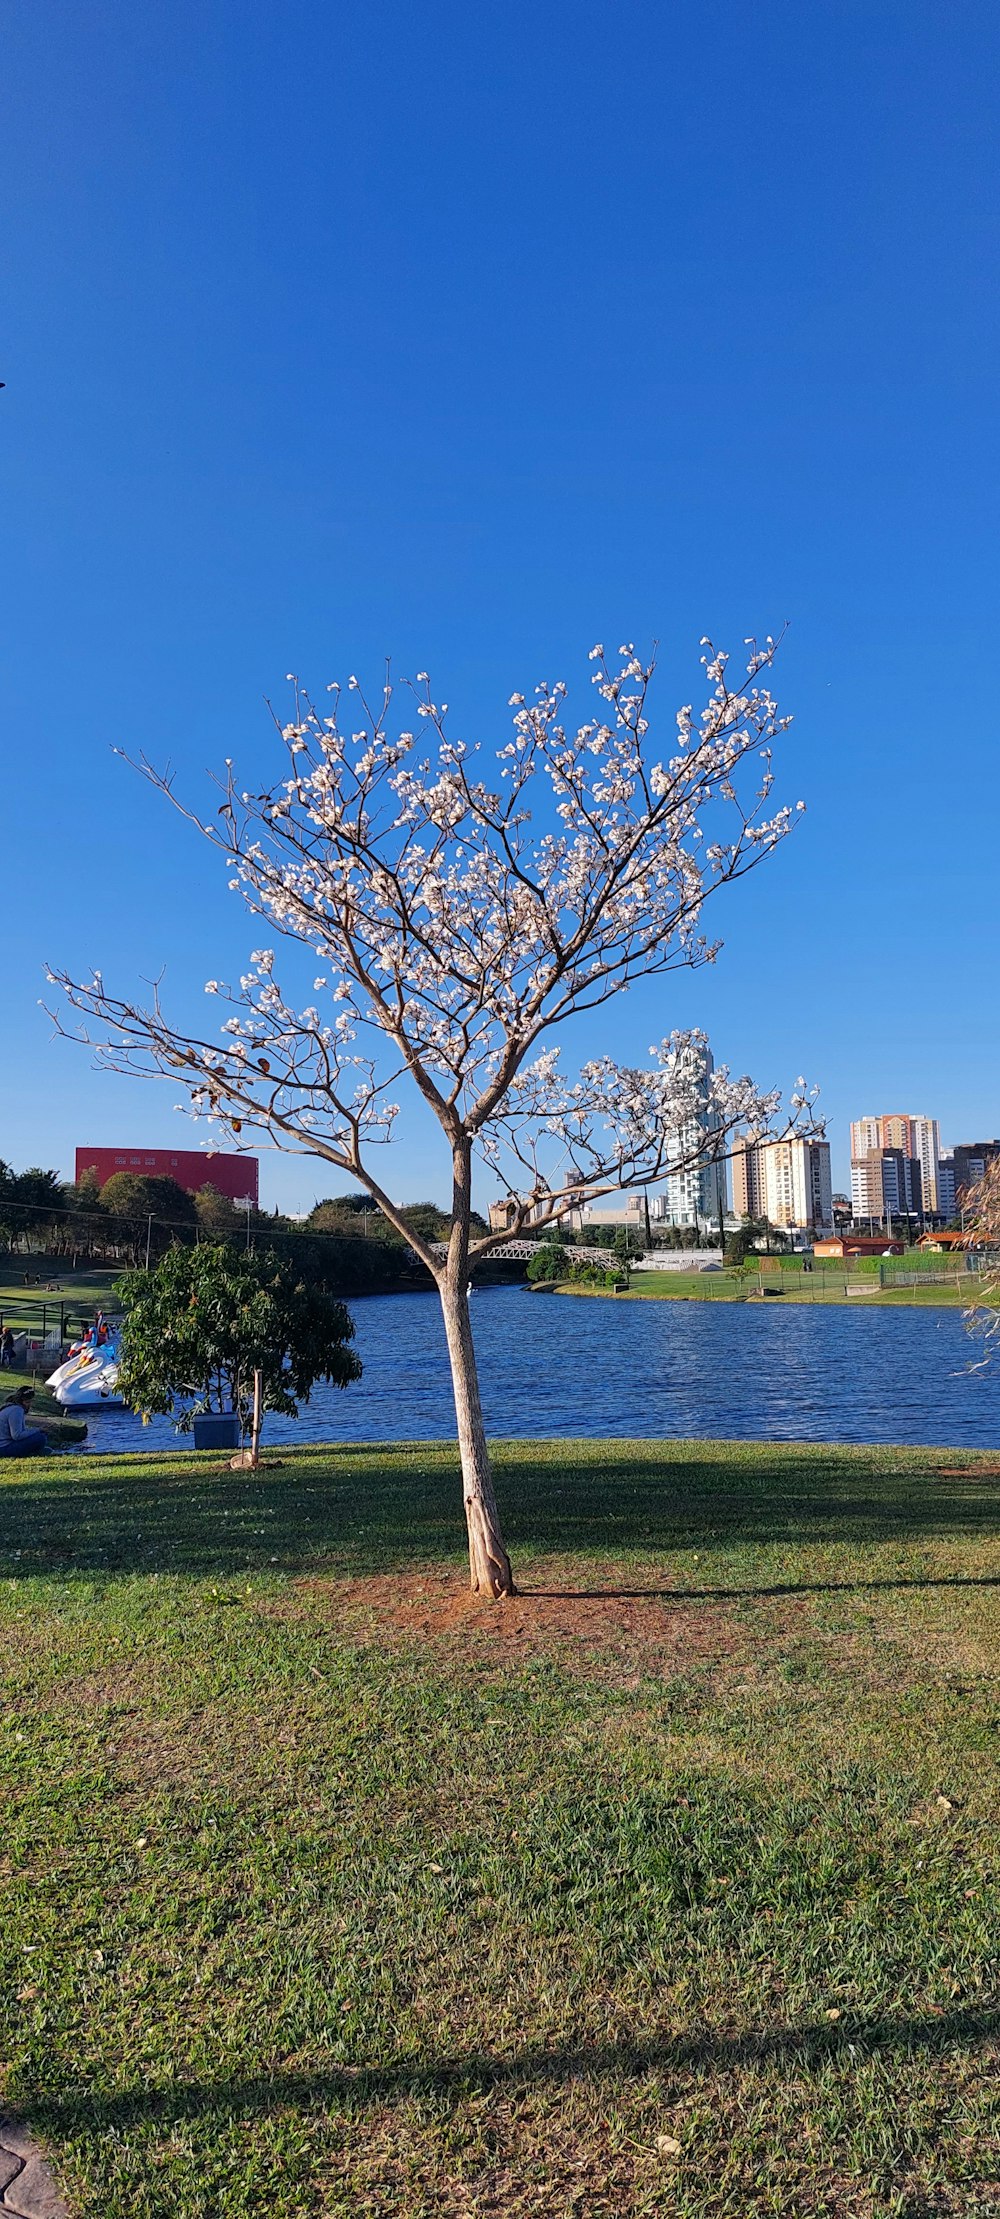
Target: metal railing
(888,1278)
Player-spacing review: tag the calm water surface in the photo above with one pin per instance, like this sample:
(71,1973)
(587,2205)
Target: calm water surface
(551,1366)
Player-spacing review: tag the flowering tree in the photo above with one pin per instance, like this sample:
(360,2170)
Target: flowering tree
(459,916)
(981,1203)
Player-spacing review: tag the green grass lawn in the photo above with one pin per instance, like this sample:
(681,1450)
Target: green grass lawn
(787,1286)
(669,1887)
(36,1306)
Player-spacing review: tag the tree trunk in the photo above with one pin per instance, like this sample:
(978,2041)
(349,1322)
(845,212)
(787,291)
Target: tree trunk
(489,1563)
(248,1459)
(255,1432)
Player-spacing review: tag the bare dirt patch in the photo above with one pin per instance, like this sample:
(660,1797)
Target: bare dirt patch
(967,1471)
(653,1631)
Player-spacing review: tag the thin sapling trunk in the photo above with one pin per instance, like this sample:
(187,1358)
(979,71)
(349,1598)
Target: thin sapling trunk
(258,1381)
(489,1564)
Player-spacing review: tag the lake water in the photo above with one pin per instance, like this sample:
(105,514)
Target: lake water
(553,1366)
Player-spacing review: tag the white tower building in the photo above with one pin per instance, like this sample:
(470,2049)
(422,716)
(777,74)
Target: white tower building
(926,1146)
(697,1193)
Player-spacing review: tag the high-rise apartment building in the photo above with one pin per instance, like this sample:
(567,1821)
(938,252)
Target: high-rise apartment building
(798,1188)
(971,1159)
(902,1193)
(898,1133)
(787,1181)
(697,1196)
(885,1182)
(946,1183)
(748,1177)
(866,1183)
(925,1136)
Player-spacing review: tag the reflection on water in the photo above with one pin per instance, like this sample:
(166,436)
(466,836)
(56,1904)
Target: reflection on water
(551,1366)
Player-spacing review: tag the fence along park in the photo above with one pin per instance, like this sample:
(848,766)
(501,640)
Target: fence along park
(46,1307)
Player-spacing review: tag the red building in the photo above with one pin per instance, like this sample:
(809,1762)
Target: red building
(235,1176)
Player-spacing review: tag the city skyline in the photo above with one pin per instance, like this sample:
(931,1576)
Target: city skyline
(682,1203)
(787,1177)
(901,1168)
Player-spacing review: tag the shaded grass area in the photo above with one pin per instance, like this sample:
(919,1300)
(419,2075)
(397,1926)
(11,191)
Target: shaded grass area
(669,1887)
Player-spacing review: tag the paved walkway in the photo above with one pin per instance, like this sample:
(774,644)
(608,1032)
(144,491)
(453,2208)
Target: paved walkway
(27,2189)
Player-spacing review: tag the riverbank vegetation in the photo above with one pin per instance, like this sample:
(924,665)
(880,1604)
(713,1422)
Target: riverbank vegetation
(348,1246)
(668,1886)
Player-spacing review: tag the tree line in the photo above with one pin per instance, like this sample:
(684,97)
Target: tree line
(134,1218)
(345,1243)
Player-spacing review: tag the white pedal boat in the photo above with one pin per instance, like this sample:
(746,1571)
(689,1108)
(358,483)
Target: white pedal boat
(88,1379)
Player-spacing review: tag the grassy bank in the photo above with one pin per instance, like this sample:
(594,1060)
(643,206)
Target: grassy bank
(784,1286)
(33,1289)
(669,1887)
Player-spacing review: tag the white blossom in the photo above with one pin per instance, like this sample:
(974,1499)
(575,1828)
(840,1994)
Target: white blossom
(459,914)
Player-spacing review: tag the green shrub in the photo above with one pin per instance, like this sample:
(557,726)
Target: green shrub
(551,1261)
(204,1319)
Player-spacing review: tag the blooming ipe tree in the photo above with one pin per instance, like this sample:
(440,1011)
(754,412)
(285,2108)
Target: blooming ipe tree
(980,1207)
(457,914)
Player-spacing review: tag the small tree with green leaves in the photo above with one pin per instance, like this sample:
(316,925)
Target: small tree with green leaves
(216,1216)
(739,1243)
(550,1261)
(627,1245)
(198,1326)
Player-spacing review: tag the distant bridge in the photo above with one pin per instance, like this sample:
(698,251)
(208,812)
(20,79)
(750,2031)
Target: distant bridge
(520,1251)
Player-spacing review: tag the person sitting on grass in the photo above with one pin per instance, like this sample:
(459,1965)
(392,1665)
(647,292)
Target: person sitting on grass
(16,1438)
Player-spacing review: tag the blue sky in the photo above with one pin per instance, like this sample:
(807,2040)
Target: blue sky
(472,337)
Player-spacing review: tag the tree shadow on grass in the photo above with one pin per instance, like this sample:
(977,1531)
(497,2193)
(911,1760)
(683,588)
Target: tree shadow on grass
(803,2048)
(759,1592)
(389,1508)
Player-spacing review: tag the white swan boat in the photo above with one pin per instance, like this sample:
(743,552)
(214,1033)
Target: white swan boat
(89,1377)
